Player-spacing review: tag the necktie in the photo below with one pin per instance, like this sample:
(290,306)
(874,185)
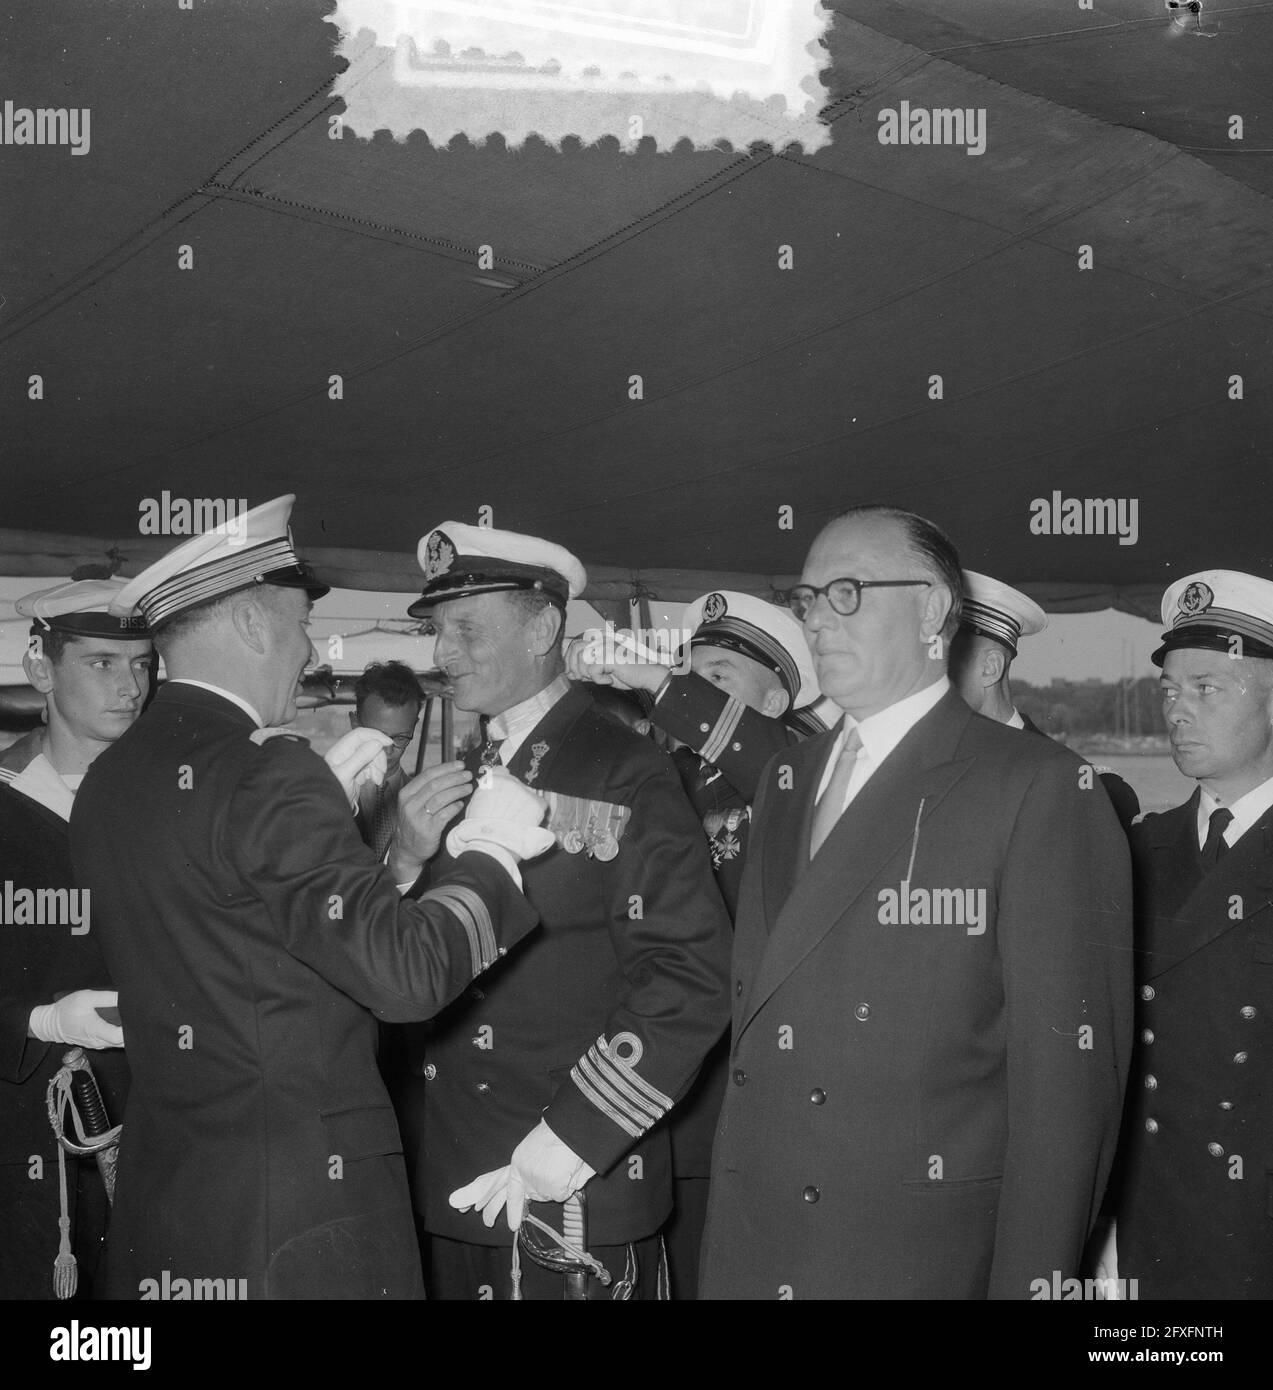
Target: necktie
(383,818)
(831,805)
(1215,845)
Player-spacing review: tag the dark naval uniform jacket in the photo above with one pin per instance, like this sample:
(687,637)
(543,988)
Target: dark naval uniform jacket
(255,942)
(601,1022)
(721,788)
(38,964)
(923,1101)
(1123,796)
(1195,1218)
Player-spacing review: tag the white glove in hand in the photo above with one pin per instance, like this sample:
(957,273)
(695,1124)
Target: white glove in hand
(486,1194)
(357,757)
(74,1020)
(504,813)
(543,1169)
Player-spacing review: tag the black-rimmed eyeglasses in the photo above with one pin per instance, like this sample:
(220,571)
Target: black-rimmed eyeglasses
(844,595)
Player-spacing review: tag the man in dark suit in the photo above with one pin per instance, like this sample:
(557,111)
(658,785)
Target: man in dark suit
(1194,1201)
(386,697)
(552,1075)
(749,667)
(932,1012)
(255,940)
(994,619)
(93,671)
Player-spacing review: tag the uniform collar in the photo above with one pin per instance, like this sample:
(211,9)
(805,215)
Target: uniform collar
(515,723)
(40,782)
(225,695)
(1247,810)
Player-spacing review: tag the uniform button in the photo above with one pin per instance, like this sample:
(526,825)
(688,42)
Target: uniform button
(1147,1036)
(1215,1150)
(817,1095)
(1151,1126)
(483,1088)
(738,988)
(1226,1105)
(1146,992)
(737,747)
(862,1012)
(704,728)
(739,1077)
(1239,1057)
(503,950)
(429,1072)
(1247,1011)
(475,993)
(1151,1083)
(811,1194)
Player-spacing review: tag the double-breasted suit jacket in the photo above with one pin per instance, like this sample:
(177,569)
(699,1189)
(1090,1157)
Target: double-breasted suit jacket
(600,1023)
(255,941)
(931,1027)
(1195,1217)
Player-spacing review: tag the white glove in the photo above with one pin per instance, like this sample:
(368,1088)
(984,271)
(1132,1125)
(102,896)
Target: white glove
(543,1169)
(503,814)
(1107,1266)
(74,1020)
(357,757)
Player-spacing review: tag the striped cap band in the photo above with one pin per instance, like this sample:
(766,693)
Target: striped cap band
(250,565)
(990,622)
(738,635)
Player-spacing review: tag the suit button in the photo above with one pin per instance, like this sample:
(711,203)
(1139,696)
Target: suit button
(1247,1011)
(1147,1036)
(1215,1150)
(429,1071)
(1146,992)
(739,1077)
(817,1095)
(1226,1105)
(1239,1057)
(483,1088)
(1151,1082)
(811,1194)
(862,1012)
(1151,1126)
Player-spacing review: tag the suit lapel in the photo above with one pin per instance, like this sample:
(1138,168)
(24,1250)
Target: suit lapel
(879,823)
(790,815)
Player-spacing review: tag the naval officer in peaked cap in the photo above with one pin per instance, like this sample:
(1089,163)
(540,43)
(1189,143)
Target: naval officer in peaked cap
(552,1074)
(255,941)
(994,619)
(1195,1218)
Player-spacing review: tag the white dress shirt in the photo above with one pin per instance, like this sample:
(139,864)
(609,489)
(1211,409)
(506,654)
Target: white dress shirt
(1246,811)
(514,724)
(880,734)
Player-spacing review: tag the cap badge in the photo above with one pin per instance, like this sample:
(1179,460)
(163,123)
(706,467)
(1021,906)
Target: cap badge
(438,556)
(1197,598)
(714,608)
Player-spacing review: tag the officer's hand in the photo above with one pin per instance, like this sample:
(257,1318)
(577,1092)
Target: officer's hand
(75,1021)
(425,806)
(358,757)
(543,1169)
(486,1194)
(503,815)
(584,662)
